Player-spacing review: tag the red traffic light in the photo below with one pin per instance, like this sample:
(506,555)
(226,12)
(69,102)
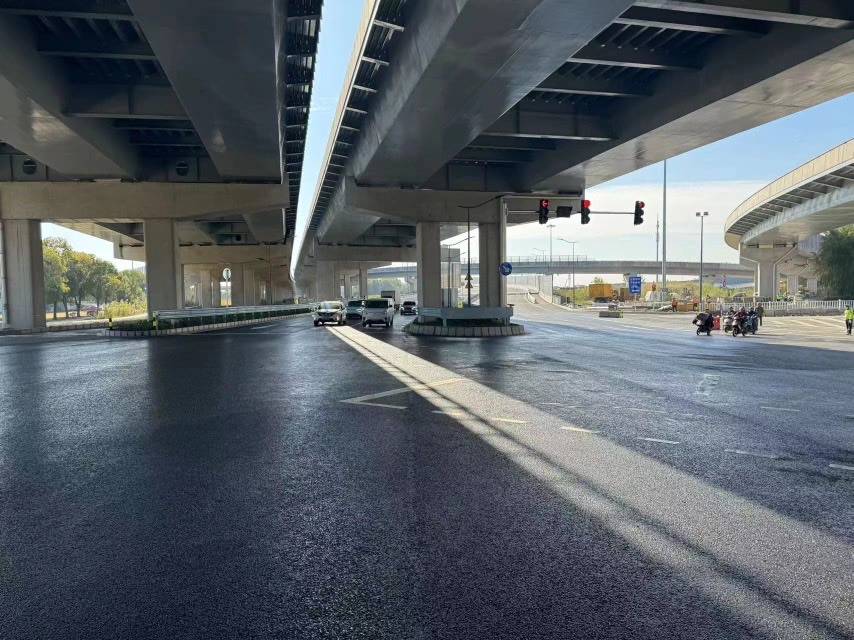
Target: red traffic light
(544,204)
(641,204)
(585,204)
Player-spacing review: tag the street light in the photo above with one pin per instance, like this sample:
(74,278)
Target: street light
(572,242)
(551,264)
(702,216)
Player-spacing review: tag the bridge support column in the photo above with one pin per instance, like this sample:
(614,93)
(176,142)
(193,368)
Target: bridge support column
(812,285)
(792,285)
(238,285)
(164,281)
(24,268)
(766,279)
(492,240)
(326,281)
(363,281)
(427,243)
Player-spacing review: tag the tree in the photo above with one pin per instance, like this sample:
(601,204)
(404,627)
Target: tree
(127,286)
(61,249)
(598,280)
(835,263)
(55,282)
(99,285)
(80,269)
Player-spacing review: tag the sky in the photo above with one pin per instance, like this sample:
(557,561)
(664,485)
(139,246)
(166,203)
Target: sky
(714,178)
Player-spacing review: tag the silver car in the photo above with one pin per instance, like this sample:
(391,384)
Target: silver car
(355,308)
(378,311)
(329,311)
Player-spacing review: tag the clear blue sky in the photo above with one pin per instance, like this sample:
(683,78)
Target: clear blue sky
(714,178)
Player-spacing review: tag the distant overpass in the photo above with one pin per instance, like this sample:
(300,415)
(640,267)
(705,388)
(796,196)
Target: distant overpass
(563,265)
(778,227)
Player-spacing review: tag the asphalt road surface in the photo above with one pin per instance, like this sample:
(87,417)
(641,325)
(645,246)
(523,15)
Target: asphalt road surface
(590,479)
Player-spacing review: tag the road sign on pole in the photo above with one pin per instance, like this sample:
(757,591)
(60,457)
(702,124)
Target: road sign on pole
(505,268)
(635,285)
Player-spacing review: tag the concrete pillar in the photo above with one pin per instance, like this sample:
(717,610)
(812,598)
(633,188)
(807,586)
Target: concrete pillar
(326,281)
(812,285)
(205,288)
(427,243)
(363,281)
(492,238)
(24,269)
(792,284)
(766,279)
(238,285)
(163,272)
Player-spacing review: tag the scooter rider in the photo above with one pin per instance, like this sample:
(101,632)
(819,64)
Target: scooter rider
(705,322)
(740,318)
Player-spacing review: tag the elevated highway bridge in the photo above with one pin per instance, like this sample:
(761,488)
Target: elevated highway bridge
(550,97)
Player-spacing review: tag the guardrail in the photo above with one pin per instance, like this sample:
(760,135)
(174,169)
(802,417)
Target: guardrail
(801,305)
(168,321)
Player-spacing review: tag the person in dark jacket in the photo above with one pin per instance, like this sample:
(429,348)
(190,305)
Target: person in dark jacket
(760,312)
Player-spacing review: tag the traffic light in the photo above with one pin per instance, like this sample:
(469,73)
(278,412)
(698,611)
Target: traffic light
(543,211)
(564,212)
(639,212)
(585,211)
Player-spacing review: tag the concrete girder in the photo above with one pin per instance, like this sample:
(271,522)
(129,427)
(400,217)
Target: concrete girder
(146,102)
(266,226)
(609,88)
(233,111)
(344,253)
(103,10)
(33,97)
(814,13)
(642,16)
(616,56)
(214,254)
(127,201)
(429,206)
(507,55)
(523,123)
(737,89)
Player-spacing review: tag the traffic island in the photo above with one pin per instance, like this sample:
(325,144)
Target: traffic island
(465,322)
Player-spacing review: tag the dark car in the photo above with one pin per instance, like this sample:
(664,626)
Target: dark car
(355,308)
(409,308)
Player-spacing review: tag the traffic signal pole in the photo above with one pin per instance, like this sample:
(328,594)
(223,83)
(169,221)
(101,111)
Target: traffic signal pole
(664,233)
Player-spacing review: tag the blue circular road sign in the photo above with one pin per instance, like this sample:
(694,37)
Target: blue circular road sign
(505,268)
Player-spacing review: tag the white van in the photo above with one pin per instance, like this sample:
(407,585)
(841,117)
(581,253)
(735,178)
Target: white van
(378,311)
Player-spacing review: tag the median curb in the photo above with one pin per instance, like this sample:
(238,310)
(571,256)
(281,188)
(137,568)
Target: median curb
(157,333)
(438,331)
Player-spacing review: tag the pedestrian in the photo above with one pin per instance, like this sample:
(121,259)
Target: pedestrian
(849,318)
(674,305)
(760,312)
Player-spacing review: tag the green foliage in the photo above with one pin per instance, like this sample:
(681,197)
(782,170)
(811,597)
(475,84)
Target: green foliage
(82,276)
(123,309)
(836,263)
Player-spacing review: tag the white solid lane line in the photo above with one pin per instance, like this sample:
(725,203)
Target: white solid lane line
(579,430)
(756,454)
(659,440)
(833,465)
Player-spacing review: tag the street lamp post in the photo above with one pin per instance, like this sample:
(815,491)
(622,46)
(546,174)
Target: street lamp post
(702,217)
(551,263)
(572,242)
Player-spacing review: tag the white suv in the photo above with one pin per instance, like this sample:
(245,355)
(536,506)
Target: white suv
(378,311)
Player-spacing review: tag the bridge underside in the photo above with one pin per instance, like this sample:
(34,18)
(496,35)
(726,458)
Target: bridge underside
(560,96)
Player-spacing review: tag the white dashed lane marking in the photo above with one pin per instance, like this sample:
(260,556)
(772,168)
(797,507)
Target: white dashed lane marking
(661,440)
(757,454)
